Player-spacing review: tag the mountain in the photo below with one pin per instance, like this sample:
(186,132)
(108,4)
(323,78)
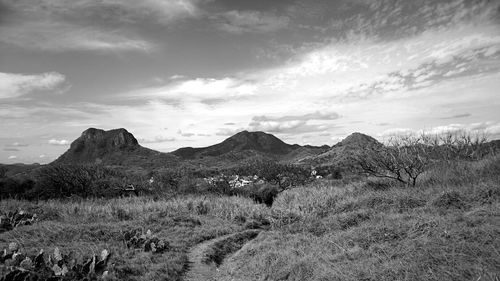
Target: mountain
(340,154)
(256,141)
(113,147)
(119,147)
(244,146)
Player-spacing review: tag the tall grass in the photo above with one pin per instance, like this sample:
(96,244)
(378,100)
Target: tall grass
(447,228)
(85,227)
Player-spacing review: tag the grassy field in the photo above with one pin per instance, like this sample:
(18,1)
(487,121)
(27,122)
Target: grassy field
(446,228)
(87,227)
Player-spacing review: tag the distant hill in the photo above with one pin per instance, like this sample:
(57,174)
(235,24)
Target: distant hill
(119,147)
(340,154)
(247,145)
(242,141)
(113,147)
(19,169)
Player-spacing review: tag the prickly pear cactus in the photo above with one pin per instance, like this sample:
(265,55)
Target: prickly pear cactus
(16,266)
(146,241)
(11,220)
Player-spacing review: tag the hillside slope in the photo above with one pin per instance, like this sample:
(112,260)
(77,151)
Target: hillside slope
(113,147)
(341,153)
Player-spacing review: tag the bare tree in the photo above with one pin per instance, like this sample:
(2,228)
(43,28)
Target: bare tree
(405,157)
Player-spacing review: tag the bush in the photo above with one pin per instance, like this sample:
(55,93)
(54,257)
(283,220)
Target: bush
(262,193)
(15,188)
(14,219)
(145,241)
(56,181)
(56,267)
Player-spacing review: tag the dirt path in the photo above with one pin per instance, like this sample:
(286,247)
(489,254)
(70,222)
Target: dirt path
(199,270)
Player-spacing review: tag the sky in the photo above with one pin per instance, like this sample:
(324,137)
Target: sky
(179,73)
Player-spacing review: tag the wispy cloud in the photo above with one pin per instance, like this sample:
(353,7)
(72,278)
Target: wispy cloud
(17,144)
(58,142)
(490,128)
(305,117)
(199,89)
(287,124)
(227,132)
(61,36)
(13,85)
(250,21)
(456,116)
(158,139)
(60,25)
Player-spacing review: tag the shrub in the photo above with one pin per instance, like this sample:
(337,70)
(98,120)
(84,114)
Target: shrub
(14,219)
(15,187)
(262,193)
(56,267)
(145,241)
(56,181)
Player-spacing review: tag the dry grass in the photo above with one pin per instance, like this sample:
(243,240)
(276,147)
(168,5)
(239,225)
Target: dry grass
(88,226)
(442,230)
(447,228)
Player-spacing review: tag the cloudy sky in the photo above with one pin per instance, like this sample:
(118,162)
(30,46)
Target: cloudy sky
(193,72)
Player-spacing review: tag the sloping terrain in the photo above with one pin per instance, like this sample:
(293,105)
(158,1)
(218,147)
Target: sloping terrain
(257,141)
(341,153)
(113,147)
(244,145)
(121,148)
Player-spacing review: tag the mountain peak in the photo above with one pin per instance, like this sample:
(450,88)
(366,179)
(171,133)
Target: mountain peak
(358,139)
(95,144)
(258,141)
(111,138)
(242,141)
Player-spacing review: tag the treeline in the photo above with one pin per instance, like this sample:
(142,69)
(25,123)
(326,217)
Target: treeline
(62,181)
(273,178)
(66,181)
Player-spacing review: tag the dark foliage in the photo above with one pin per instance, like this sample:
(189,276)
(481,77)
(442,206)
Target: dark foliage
(57,267)
(145,241)
(12,220)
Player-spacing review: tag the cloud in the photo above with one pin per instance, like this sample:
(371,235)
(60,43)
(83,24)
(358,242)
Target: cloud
(13,157)
(13,85)
(61,36)
(492,129)
(198,90)
(227,131)
(61,25)
(158,139)
(251,21)
(277,127)
(306,117)
(187,135)
(17,144)
(395,19)
(293,123)
(121,11)
(58,142)
(463,115)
